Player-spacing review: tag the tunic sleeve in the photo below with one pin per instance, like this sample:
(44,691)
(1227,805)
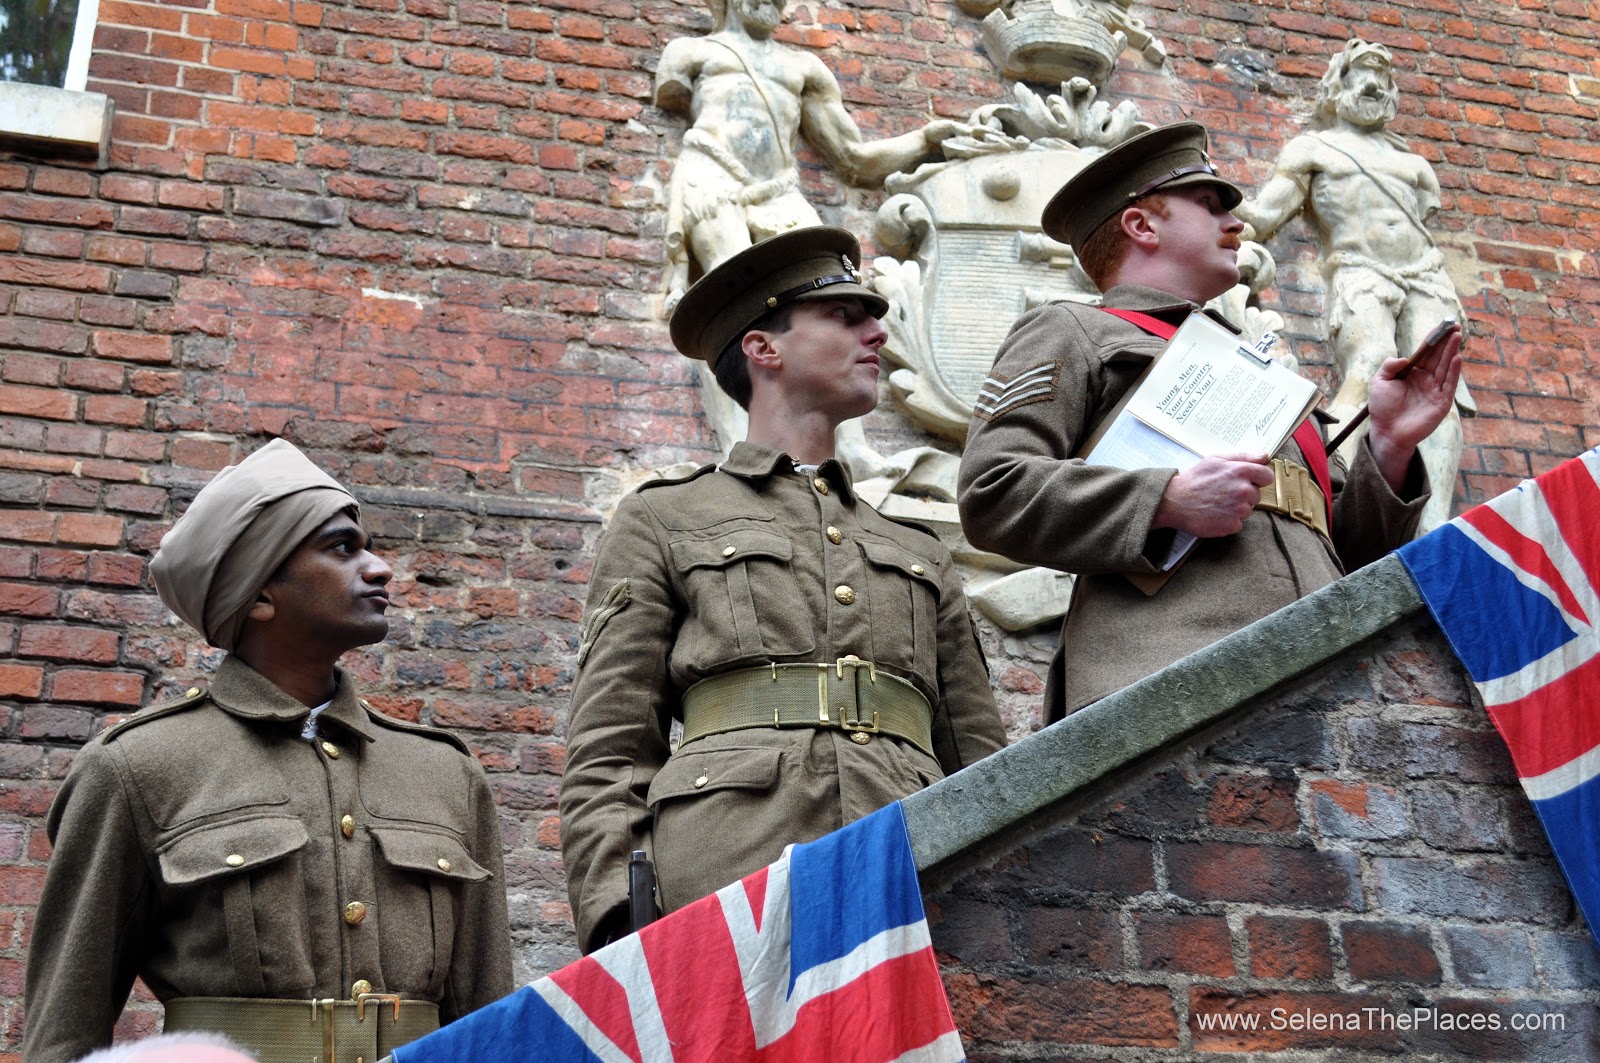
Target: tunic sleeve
(1022,493)
(94,914)
(480,957)
(618,722)
(967,725)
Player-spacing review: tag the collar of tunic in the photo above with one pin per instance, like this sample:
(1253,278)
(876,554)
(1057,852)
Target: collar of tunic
(244,692)
(750,461)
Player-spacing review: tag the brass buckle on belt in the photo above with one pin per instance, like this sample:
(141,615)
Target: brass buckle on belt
(381,998)
(1276,487)
(856,664)
(322,1012)
(850,660)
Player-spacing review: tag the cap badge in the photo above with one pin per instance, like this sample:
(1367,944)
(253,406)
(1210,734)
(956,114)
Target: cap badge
(850,268)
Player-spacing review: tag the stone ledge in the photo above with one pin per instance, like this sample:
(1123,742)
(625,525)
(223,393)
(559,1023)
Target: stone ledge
(51,122)
(479,504)
(959,813)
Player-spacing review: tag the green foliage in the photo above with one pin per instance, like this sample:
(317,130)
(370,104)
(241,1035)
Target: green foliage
(36,39)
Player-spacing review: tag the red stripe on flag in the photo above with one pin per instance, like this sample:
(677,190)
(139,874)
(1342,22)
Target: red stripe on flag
(1554,724)
(603,1000)
(1574,500)
(1528,554)
(854,1024)
(699,988)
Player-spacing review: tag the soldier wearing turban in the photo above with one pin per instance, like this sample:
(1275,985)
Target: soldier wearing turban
(278,861)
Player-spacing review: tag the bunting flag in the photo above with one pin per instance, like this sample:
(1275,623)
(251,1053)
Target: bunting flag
(1512,584)
(821,956)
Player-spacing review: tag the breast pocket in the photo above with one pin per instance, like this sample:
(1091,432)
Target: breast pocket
(255,864)
(421,875)
(744,602)
(903,594)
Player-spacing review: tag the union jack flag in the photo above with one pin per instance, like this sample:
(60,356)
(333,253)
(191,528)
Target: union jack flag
(1512,584)
(821,956)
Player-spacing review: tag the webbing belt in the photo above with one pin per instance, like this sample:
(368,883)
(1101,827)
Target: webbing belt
(309,1031)
(849,694)
(1295,494)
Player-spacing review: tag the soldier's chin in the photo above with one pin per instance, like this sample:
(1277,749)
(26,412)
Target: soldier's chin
(374,631)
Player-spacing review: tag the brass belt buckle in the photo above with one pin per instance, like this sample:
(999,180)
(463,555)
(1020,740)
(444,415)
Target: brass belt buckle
(381,998)
(322,1012)
(850,660)
(1276,500)
(856,664)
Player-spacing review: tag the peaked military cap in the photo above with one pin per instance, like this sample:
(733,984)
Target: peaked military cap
(1172,156)
(816,262)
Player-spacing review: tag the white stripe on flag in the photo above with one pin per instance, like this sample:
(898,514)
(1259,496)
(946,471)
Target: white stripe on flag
(944,1050)
(628,967)
(573,1015)
(1536,675)
(1557,781)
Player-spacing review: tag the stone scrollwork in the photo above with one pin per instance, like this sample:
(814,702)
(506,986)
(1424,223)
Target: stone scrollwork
(965,258)
(1056,40)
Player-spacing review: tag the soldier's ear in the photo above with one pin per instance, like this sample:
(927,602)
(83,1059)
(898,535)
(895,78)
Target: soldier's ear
(759,348)
(1140,226)
(263,608)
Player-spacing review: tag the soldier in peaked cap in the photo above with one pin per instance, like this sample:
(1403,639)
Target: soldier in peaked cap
(819,655)
(1151,225)
(277,860)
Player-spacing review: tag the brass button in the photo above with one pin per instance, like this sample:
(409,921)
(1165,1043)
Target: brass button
(835,536)
(727,551)
(918,569)
(444,865)
(361,986)
(347,826)
(701,782)
(331,749)
(860,738)
(192,692)
(845,594)
(355,913)
(821,485)
(234,860)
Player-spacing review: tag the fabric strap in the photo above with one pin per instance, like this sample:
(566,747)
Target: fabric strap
(1306,437)
(298,1031)
(848,694)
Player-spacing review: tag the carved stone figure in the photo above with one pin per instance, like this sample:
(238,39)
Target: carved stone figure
(1367,197)
(748,98)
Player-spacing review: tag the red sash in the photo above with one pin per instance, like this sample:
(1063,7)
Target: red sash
(1306,436)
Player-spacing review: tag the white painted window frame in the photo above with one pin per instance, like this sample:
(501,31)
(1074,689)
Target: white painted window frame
(77,78)
(66,121)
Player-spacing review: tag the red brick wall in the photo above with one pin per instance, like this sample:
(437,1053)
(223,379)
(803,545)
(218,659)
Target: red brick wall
(422,239)
(1356,842)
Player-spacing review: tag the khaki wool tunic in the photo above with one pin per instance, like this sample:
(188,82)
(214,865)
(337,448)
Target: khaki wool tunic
(211,850)
(1024,495)
(735,567)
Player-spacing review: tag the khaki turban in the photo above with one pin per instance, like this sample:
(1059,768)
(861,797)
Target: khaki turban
(239,529)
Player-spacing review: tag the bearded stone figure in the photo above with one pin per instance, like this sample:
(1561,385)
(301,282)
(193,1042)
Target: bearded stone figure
(1367,197)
